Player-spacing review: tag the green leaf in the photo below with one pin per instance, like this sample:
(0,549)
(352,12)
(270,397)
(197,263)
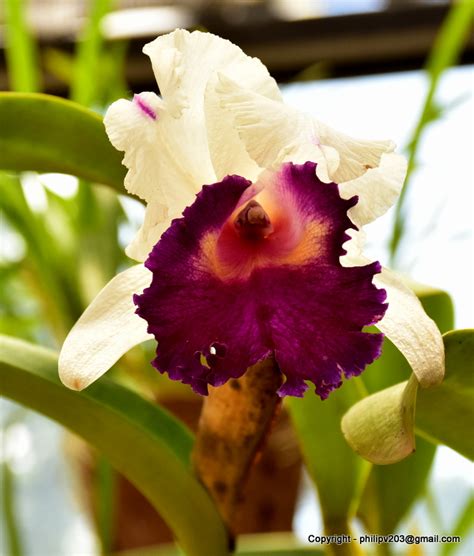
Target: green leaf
(445,413)
(391,490)
(337,472)
(462,527)
(384,503)
(141,440)
(48,134)
(381,427)
(262,544)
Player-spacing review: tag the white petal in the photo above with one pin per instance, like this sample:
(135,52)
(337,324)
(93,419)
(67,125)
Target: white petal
(194,59)
(165,165)
(378,189)
(183,63)
(411,330)
(171,156)
(267,127)
(356,155)
(107,329)
(273,132)
(228,153)
(326,158)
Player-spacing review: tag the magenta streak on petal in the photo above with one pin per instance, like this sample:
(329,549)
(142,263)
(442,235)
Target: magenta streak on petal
(305,308)
(315,140)
(144,107)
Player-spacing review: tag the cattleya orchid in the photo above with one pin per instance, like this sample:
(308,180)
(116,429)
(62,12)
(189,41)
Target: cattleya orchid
(252,238)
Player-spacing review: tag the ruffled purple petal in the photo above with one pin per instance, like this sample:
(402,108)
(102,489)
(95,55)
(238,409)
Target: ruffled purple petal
(222,298)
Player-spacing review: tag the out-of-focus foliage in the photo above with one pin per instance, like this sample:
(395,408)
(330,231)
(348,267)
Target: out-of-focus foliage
(66,250)
(337,471)
(21,55)
(445,52)
(110,417)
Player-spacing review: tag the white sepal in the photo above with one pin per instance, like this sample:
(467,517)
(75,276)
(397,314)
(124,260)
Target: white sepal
(411,330)
(107,329)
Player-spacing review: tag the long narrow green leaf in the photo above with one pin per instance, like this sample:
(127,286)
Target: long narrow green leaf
(462,528)
(391,490)
(48,134)
(141,440)
(21,52)
(336,470)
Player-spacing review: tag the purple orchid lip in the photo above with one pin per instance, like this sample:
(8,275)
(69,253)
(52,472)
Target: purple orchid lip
(253,270)
(144,107)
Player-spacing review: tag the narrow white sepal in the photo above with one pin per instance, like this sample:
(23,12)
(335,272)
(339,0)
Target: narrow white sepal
(106,330)
(411,330)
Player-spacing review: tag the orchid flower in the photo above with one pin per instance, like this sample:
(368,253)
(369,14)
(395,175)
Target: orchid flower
(252,238)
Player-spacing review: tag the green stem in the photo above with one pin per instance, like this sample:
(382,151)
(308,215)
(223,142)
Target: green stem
(21,52)
(445,52)
(87,63)
(13,538)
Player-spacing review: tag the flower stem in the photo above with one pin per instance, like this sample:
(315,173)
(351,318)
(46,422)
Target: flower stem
(233,427)
(447,48)
(12,536)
